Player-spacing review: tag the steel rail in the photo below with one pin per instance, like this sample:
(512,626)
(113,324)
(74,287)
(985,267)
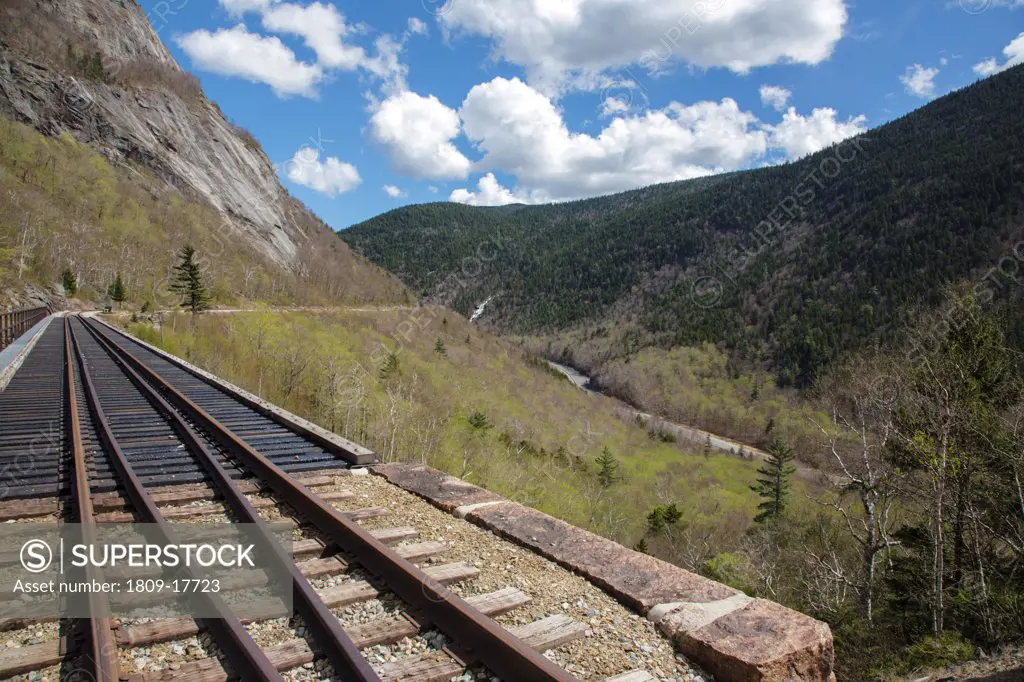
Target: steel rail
(246,658)
(327,631)
(361,456)
(476,637)
(105,664)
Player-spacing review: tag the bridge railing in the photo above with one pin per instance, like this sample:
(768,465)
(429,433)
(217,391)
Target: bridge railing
(16,322)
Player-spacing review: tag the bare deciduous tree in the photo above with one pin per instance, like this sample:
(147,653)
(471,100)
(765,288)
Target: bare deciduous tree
(863,397)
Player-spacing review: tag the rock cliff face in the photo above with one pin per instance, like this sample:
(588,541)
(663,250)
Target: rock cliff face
(119,28)
(141,108)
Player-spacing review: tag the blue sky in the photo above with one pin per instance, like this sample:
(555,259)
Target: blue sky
(366,106)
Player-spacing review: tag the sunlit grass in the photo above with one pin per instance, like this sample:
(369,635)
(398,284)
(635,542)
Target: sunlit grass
(544,432)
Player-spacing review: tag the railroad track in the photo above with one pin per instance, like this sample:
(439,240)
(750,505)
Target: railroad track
(106,430)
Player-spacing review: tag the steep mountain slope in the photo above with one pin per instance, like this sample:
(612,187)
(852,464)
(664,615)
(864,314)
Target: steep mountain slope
(97,71)
(791,265)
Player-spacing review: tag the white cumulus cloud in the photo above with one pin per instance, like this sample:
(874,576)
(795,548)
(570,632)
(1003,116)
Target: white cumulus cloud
(560,42)
(332,177)
(260,59)
(417,133)
(489,193)
(799,135)
(920,81)
(775,97)
(520,131)
(1014,55)
(265,59)
(321,27)
(394,192)
(612,106)
(416,26)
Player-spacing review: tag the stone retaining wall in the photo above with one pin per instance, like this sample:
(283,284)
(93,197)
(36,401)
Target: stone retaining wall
(735,637)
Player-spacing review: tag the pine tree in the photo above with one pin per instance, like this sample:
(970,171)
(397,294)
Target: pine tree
(656,520)
(608,468)
(641,546)
(478,420)
(773,481)
(672,514)
(439,348)
(188,282)
(116,290)
(69,281)
(389,366)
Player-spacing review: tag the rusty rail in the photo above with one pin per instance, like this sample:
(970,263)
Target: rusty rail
(245,657)
(16,322)
(104,663)
(476,637)
(325,627)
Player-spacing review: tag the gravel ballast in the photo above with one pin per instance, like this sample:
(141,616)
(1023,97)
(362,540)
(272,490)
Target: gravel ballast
(618,640)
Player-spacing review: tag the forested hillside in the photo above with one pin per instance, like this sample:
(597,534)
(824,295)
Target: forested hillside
(788,266)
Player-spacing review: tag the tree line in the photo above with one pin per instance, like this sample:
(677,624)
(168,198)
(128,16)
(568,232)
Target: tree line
(186,282)
(916,556)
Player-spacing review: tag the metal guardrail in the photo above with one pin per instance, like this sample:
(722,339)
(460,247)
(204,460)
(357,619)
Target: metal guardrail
(16,322)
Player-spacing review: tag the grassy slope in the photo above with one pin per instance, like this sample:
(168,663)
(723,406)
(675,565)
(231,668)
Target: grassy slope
(63,205)
(545,433)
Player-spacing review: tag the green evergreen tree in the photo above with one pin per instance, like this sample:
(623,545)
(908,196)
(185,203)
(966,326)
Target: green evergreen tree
(773,481)
(608,468)
(116,290)
(439,348)
(389,366)
(478,420)
(70,282)
(641,546)
(656,520)
(672,514)
(188,282)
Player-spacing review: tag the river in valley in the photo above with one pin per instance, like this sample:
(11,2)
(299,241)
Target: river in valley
(680,431)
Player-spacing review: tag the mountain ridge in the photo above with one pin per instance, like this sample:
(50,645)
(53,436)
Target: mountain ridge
(934,198)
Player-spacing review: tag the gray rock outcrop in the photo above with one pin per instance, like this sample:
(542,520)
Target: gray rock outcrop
(147,112)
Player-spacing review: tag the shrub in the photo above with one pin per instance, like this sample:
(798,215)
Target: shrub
(156,75)
(949,648)
(661,435)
